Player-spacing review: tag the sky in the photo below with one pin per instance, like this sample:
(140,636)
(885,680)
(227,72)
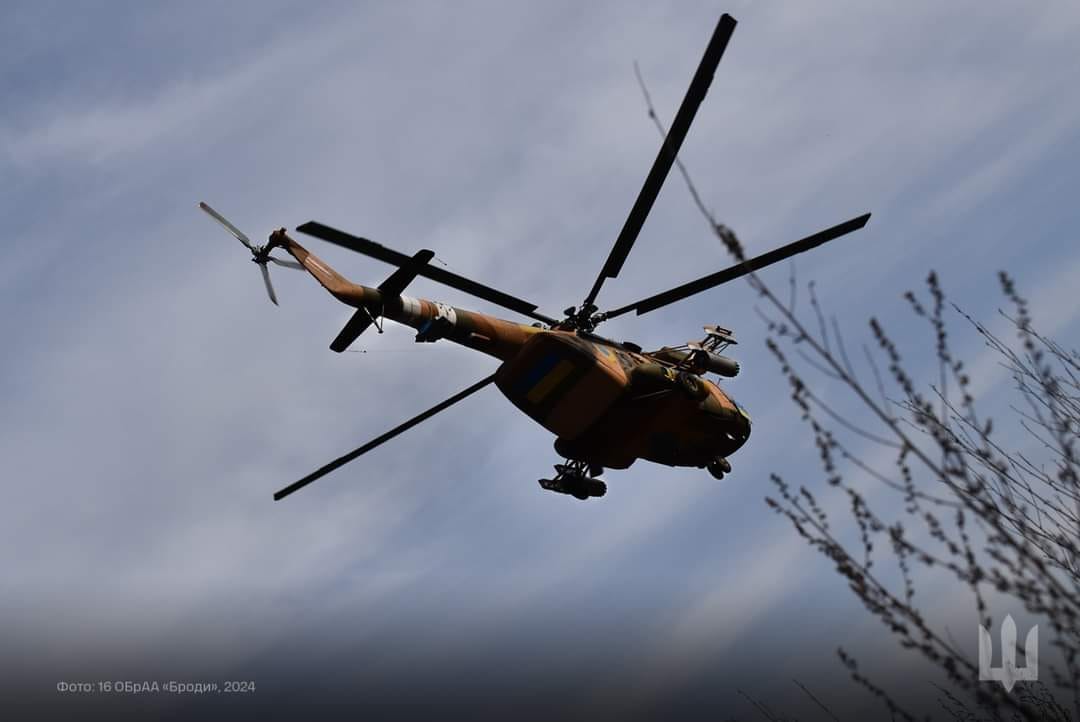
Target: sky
(154,399)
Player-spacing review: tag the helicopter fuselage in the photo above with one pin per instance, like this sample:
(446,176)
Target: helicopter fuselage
(610,405)
(607,403)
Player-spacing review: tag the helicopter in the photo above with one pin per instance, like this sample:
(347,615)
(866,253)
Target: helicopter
(608,403)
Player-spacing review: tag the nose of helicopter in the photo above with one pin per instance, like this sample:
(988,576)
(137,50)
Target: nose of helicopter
(744,422)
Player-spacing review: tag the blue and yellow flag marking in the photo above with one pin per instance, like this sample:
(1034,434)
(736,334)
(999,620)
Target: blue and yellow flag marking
(537,372)
(552,379)
(542,378)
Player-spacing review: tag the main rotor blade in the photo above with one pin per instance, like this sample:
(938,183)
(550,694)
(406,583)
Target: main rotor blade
(228,226)
(741,269)
(342,460)
(266,280)
(396,258)
(699,85)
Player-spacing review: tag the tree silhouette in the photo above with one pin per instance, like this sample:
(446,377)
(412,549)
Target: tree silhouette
(995,518)
(990,517)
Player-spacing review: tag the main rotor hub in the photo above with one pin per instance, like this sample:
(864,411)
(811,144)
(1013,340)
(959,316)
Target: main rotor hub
(582,319)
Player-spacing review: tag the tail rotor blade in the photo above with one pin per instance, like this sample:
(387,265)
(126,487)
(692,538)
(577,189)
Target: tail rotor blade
(269,286)
(286,264)
(228,226)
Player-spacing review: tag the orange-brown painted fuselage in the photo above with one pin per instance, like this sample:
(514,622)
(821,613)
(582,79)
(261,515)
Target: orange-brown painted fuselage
(607,404)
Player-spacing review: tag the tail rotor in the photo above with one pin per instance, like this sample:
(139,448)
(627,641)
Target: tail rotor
(259,254)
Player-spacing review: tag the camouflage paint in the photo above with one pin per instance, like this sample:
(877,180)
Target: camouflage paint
(606,404)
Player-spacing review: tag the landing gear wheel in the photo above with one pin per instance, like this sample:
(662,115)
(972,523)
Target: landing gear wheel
(595,487)
(719,467)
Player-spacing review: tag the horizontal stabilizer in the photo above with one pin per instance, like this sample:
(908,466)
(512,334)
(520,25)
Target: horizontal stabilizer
(403,276)
(392,286)
(355,326)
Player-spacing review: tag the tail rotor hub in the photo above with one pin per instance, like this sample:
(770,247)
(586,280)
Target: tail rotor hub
(260,255)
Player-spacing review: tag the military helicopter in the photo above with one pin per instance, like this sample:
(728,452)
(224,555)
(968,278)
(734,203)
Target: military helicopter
(608,403)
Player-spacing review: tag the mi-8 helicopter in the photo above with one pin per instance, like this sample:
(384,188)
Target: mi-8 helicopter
(608,403)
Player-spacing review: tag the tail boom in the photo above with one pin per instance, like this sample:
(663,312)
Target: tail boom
(432,320)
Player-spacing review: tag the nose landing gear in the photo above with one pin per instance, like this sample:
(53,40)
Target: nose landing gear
(573,478)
